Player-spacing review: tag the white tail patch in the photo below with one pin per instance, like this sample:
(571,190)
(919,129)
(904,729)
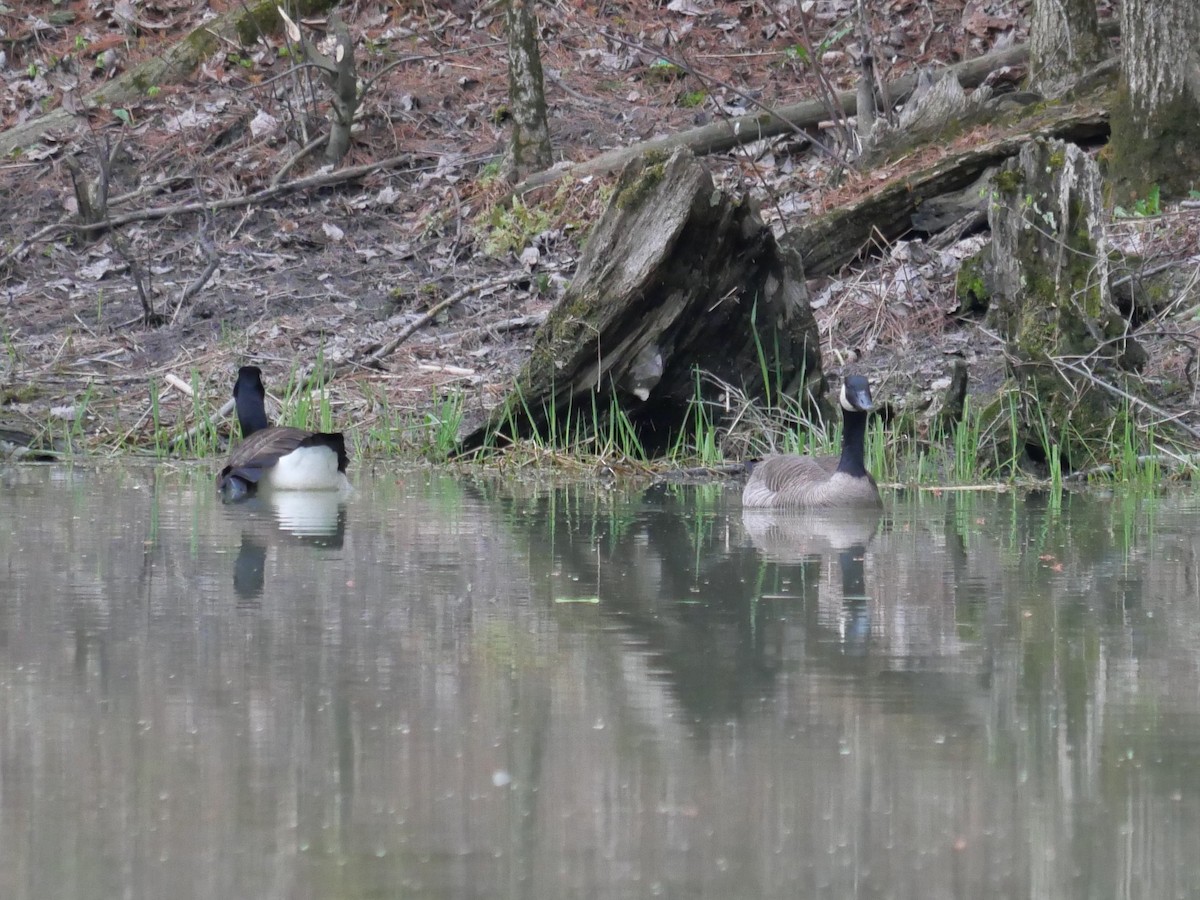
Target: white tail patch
(308,469)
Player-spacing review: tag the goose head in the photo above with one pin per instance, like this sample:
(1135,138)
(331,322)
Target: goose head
(855,395)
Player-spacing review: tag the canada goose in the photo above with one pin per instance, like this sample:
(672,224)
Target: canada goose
(821,482)
(278,457)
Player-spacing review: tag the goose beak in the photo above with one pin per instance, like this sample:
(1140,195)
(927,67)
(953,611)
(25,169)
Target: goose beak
(857,398)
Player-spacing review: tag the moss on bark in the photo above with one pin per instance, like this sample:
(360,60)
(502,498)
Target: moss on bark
(1053,302)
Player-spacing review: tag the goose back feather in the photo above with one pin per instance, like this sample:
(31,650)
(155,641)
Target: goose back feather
(807,482)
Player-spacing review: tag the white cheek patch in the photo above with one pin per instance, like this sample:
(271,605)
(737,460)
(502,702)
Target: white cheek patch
(845,401)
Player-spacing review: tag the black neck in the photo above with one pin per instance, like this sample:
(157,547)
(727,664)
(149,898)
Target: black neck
(854,433)
(251,412)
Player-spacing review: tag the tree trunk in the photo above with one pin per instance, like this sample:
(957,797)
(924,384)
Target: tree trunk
(1053,298)
(529,145)
(340,76)
(1156,116)
(676,277)
(1064,42)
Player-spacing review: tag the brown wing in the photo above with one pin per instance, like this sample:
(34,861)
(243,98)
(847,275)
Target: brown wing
(254,457)
(800,482)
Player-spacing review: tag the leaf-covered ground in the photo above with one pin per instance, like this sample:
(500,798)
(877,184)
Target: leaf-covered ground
(338,270)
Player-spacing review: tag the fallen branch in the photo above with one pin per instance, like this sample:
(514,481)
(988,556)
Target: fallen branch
(409,330)
(226,409)
(1165,416)
(1168,460)
(718,137)
(321,179)
(179,384)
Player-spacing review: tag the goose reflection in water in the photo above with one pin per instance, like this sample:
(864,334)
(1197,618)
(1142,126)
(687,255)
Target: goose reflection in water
(792,537)
(288,521)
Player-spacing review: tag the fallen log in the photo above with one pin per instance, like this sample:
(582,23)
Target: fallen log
(828,242)
(718,137)
(677,277)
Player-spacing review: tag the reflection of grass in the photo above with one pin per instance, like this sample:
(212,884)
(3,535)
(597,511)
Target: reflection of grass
(503,647)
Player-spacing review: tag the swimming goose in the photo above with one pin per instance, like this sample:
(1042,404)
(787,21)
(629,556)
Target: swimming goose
(288,459)
(821,482)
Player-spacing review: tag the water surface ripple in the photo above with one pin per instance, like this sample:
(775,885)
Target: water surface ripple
(466,688)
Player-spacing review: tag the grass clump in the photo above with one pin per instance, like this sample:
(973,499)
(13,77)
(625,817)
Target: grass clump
(509,228)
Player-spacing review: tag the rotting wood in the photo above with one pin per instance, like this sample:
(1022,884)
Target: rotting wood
(828,242)
(677,270)
(1053,302)
(719,137)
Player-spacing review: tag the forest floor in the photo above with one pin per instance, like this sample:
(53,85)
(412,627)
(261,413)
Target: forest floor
(332,273)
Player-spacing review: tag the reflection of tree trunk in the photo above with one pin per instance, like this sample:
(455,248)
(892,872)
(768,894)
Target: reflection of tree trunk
(529,145)
(531,705)
(1064,42)
(1156,116)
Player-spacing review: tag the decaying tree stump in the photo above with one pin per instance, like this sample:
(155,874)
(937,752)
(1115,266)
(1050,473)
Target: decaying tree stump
(677,277)
(1052,304)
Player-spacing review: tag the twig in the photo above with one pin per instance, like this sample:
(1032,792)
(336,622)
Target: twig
(681,64)
(837,109)
(997,488)
(225,410)
(1113,389)
(179,384)
(315,144)
(140,280)
(571,92)
(390,347)
(210,254)
(1187,459)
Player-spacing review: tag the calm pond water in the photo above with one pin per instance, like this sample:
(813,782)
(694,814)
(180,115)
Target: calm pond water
(464,688)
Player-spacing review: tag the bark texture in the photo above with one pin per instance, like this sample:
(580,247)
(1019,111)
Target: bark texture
(677,277)
(829,241)
(1156,116)
(1064,42)
(340,76)
(1053,302)
(529,144)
